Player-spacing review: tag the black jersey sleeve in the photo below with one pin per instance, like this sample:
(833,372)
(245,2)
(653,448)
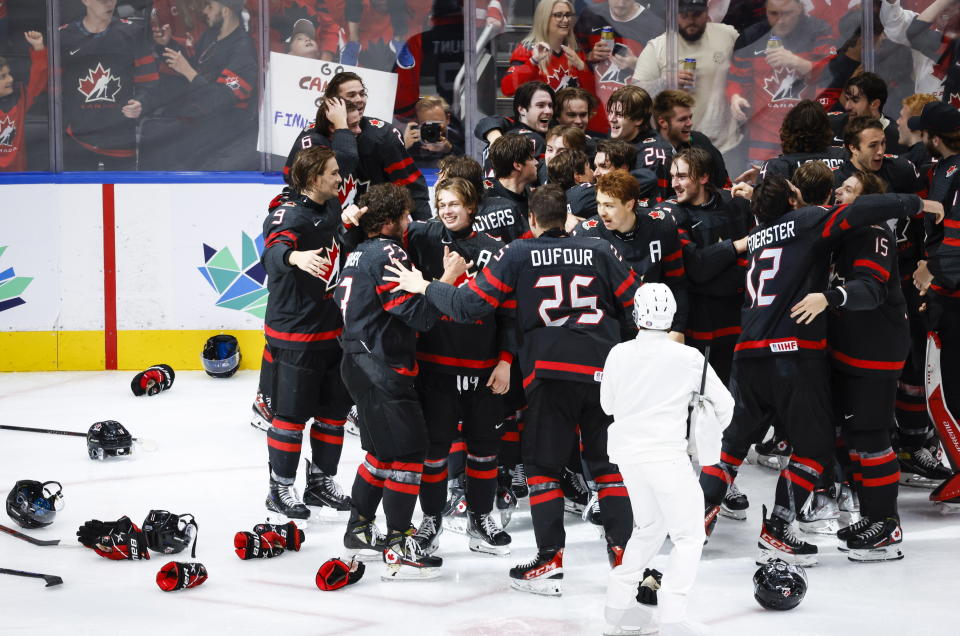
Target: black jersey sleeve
(399,169)
(281,235)
(231,86)
(866,210)
(944,259)
(484,294)
(865,284)
(412,309)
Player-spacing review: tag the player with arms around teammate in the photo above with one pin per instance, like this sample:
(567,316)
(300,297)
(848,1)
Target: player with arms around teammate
(648,438)
(302,259)
(781,366)
(571,294)
(379,368)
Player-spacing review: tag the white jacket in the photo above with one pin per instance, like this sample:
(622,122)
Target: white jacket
(646,386)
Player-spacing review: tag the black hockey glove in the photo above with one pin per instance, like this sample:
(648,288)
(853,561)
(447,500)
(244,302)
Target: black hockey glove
(180,576)
(647,593)
(292,535)
(116,540)
(92,531)
(248,545)
(157,378)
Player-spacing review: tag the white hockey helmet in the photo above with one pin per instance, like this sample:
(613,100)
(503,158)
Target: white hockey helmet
(654,307)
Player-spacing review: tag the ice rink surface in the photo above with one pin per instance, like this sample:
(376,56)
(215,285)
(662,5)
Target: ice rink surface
(212,463)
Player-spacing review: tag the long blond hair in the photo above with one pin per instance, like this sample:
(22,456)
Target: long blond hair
(541,24)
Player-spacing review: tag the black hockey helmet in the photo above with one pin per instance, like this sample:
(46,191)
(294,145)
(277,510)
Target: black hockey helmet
(169,533)
(33,504)
(221,356)
(108,438)
(779,586)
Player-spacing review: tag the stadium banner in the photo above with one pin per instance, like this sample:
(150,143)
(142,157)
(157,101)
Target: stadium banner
(295,86)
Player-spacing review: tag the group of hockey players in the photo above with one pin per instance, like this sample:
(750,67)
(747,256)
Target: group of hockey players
(474,344)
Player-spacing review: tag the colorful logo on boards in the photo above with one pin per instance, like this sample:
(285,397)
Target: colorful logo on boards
(11,286)
(241,286)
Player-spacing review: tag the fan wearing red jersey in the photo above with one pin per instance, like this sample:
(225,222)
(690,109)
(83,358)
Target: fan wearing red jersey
(15,101)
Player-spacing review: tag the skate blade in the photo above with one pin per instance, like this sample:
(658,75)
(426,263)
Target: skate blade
(947,507)
(912,480)
(409,573)
(736,515)
(505,516)
(278,518)
(257,422)
(615,630)
(545,587)
(455,524)
(351,429)
(573,508)
(765,556)
(482,547)
(889,553)
(843,547)
(820,526)
(365,554)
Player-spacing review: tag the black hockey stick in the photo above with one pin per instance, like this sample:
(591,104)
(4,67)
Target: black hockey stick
(28,538)
(148,444)
(49,578)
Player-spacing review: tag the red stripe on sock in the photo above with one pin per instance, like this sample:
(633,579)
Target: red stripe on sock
(432,478)
(399,486)
(608,479)
(411,467)
(369,478)
(284,425)
(283,446)
(730,459)
(615,491)
(809,463)
(553,493)
(876,461)
(874,482)
(713,471)
(336,440)
(536,480)
(798,480)
(482,474)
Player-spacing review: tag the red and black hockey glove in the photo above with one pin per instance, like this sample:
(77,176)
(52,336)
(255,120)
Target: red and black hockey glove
(336,573)
(649,584)
(292,535)
(90,532)
(180,576)
(248,545)
(118,540)
(157,378)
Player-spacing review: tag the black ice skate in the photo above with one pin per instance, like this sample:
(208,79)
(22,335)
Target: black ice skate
(363,539)
(486,537)
(542,575)
(820,514)
(262,415)
(506,499)
(406,560)
(455,511)
(844,534)
(777,541)
(323,490)
(773,453)
(284,504)
(518,482)
(735,504)
(920,468)
(878,541)
(591,513)
(352,424)
(428,534)
(576,495)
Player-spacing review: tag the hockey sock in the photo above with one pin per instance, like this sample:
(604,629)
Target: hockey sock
(715,479)
(368,486)
(913,423)
(795,484)
(510,441)
(615,510)
(266,374)
(433,483)
(326,443)
(400,491)
(284,439)
(456,458)
(880,474)
(546,507)
(481,481)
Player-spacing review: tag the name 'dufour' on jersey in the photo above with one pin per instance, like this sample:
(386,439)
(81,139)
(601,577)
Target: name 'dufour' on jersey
(561,256)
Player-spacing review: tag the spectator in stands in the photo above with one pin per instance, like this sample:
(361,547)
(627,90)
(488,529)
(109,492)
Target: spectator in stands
(16,100)
(432,136)
(673,116)
(303,40)
(217,105)
(379,29)
(711,45)
(550,54)
(296,23)
(773,65)
(865,94)
(613,60)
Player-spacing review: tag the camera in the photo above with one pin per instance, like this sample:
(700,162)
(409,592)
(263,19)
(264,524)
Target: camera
(431,132)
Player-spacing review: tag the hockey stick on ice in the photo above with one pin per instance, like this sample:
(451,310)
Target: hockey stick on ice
(28,538)
(49,578)
(148,445)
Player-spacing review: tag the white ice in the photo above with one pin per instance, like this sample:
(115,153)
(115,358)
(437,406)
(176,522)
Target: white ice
(212,463)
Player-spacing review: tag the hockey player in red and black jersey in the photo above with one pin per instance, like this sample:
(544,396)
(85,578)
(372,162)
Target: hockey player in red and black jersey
(16,100)
(780,366)
(713,226)
(108,77)
(864,96)
(503,208)
(571,171)
(673,119)
(629,110)
(571,295)
(532,118)
(805,135)
(337,127)
(865,140)
(379,368)
(646,239)
(302,259)
(383,157)
(938,280)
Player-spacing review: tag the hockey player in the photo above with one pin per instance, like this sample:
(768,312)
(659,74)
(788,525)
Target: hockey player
(648,438)
(865,95)
(571,293)
(465,372)
(383,157)
(805,135)
(379,368)
(503,210)
(571,171)
(864,139)
(780,366)
(646,239)
(629,110)
(109,74)
(302,259)
(15,101)
(673,118)
(532,115)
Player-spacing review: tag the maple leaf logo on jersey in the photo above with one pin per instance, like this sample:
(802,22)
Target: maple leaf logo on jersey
(376,122)
(560,78)
(8,130)
(350,189)
(232,82)
(591,223)
(783,85)
(100,85)
(656,214)
(330,268)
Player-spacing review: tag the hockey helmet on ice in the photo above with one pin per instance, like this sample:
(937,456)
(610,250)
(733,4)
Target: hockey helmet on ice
(169,533)
(654,307)
(779,586)
(221,356)
(108,438)
(33,504)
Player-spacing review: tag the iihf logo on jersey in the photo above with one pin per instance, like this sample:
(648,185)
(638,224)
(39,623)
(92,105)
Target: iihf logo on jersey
(242,287)
(350,189)
(11,286)
(8,130)
(100,85)
(783,85)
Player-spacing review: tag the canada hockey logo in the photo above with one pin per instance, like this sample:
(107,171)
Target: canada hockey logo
(100,85)
(330,269)
(351,189)
(783,85)
(232,82)
(243,286)
(376,122)
(11,287)
(561,78)
(8,130)
(656,214)
(589,224)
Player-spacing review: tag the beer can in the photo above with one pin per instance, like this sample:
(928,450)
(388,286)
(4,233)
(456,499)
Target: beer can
(688,64)
(774,43)
(606,33)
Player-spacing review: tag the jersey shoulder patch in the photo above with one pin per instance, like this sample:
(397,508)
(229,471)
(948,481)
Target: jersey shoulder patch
(377,123)
(951,171)
(649,140)
(590,223)
(657,214)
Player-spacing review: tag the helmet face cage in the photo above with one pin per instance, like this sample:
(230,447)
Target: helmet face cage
(33,504)
(221,356)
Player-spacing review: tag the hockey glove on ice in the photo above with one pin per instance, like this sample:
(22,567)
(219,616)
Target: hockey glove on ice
(180,576)
(336,573)
(157,378)
(292,535)
(257,546)
(647,593)
(118,540)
